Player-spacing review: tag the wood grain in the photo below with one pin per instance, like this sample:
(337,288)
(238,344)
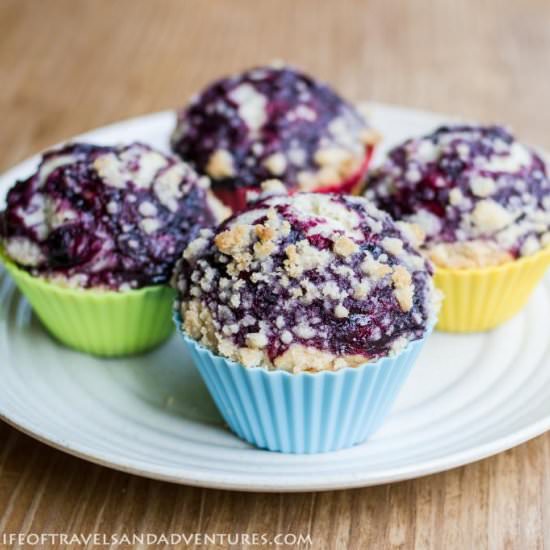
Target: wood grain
(67,66)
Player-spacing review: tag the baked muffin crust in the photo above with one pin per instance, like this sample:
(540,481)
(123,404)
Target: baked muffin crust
(105,217)
(481,197)
(306,282)
(268,122)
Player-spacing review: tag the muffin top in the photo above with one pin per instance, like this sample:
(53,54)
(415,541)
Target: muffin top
(105,217)
(305,282)
(481,197)
(267,122)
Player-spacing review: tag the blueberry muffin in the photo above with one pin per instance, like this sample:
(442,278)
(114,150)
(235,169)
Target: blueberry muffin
(115,218)
(481,197)
(308,282)
(273,122)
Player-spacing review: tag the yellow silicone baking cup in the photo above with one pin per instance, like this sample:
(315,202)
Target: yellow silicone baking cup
(103,323)
(476,300)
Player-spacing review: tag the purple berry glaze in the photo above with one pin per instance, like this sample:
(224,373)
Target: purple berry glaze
(306,282)
(480,196)
(271,122)
(106,217)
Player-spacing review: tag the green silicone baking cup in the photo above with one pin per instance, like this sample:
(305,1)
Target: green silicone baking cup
(103,323)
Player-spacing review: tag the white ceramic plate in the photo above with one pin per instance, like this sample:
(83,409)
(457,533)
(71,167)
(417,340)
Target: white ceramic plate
(467,398)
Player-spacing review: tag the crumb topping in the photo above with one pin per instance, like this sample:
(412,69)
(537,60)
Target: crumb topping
(272,121)
(344,246)
(106,217)
(294,283)
(220,165)
(481,197)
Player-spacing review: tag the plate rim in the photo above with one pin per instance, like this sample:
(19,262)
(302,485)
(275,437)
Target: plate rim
(215,480)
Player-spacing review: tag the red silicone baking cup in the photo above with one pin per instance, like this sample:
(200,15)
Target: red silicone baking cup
(349,185)
(236,198)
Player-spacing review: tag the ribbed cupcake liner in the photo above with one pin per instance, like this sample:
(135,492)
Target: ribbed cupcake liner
(236,198)
(108,324)
(476,300)
(304,412)
(352,184)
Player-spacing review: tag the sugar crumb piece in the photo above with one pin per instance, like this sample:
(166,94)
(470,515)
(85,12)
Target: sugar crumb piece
(273,187)
(403,290)
(242,261)
(456,197)
(264,232)
(228,348)
(330,289)
(251,105)
(220,211)
(150,225)
(256,340)
(220,165)
(233,240)
(530,246)
(305,331)
(276,164)
(375,269)
(147,209)
(341,312)
(235,300)
(361,290)
(398,345)
(344,246)
(24,251)
(303,257)
(107,166)
(490,216)
(250,357)
(286,337)
(307,181)
(331,156)
(328,175)
(371,136)
(545,239)
(393,245)
(198,322)
(196,246)
(292,264)
(112,207)
(204,182)
(264,249)
(413,232)
(167,186)
(296,292)
(482,186)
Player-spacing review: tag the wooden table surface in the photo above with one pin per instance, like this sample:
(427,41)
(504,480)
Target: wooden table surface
(67,66)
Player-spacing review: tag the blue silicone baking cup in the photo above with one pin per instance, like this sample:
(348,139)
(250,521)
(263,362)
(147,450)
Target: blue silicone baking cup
(304,412)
